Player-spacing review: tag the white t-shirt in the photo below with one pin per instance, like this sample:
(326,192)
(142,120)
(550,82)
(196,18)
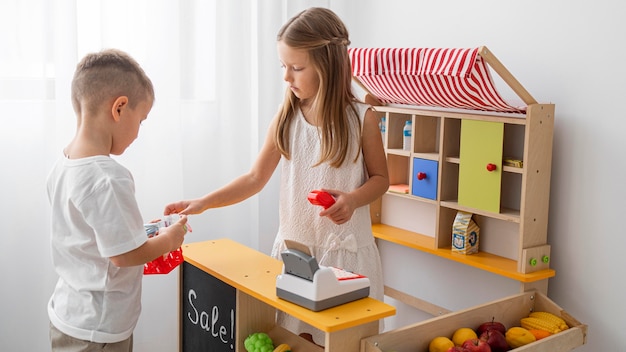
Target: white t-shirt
(95,216)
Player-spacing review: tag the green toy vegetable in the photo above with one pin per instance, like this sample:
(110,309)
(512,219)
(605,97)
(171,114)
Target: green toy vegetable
(258,342)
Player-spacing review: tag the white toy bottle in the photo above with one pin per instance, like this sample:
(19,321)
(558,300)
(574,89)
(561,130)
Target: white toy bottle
(406,132)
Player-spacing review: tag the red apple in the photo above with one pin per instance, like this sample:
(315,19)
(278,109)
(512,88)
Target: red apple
(491,325)
(495,339)
(476,345)
(457,349)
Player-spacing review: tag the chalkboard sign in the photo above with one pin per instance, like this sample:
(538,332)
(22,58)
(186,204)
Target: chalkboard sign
(208,312)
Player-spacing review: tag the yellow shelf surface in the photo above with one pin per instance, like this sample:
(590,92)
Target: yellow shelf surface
(482,260)
(254,273)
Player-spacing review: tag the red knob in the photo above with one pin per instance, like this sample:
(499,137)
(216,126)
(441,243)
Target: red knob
(421,175)
(491,167)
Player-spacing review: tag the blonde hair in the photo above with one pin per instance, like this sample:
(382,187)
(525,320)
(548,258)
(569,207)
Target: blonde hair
(323,35)
(102,77)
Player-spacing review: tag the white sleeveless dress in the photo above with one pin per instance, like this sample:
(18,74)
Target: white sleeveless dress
(349,246)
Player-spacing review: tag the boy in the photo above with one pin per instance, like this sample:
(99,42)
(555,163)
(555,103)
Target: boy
(99,244)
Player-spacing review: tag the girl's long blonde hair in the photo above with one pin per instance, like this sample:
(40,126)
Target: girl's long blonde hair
(322,33)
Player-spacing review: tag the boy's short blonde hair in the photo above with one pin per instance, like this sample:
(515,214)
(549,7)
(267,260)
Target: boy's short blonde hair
(106,75)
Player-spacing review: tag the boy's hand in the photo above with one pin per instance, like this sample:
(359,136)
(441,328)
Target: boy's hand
(175,232)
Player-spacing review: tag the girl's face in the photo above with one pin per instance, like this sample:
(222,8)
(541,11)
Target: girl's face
(299,71)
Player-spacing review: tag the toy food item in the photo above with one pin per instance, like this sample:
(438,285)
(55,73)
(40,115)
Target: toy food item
(495,339)
(258,342)
(540,324)
(554,319)
(440,344)
(283,347)
(510,161)
(457,349)
(488,325)
(517,336)
(462,334)
(539,334)
(465,234)
(476,345)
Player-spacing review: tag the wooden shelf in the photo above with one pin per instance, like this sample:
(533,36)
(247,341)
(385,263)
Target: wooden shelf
(505,214)
(399,152)
(412,197)
(505,168)
(482,260)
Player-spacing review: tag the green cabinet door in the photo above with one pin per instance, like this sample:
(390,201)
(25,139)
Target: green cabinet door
(480,164)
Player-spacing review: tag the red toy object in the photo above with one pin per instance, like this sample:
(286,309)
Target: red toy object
(167,262)
(163,265)
(322,198)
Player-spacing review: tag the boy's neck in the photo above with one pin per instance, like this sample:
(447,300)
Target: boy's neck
(89,141)
(75,150)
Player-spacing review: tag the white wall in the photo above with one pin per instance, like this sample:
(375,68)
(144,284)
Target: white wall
(567,53)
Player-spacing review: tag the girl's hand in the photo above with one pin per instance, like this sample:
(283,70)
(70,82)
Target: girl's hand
(184,207)
(343,209)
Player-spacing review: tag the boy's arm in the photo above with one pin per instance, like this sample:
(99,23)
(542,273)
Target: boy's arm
(170,238)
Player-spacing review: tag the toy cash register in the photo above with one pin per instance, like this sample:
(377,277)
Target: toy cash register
(316,287)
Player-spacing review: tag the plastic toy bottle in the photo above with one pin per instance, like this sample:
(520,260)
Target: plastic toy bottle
(406,143)
(382,127)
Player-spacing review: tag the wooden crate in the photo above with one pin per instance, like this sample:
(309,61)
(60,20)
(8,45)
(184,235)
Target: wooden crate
(509,311)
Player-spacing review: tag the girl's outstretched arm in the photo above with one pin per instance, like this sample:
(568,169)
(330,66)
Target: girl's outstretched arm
(242,187)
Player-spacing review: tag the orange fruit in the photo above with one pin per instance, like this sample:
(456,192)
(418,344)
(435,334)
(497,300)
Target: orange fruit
(440,344)
(463,334)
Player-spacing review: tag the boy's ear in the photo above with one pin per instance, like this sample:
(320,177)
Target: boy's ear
(118,106)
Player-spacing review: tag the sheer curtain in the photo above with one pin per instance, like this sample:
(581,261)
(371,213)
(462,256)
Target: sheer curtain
(205,128)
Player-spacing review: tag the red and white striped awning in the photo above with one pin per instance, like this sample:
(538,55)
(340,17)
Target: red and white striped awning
(438,77)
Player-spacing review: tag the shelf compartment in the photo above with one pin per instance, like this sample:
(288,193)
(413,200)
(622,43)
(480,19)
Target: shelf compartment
(425,134)
(395,127)
(398,167)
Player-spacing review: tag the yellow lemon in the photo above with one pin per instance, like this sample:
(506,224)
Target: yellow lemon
(440,344)
(463,334)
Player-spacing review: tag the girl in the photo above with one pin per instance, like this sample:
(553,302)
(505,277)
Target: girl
(326,139)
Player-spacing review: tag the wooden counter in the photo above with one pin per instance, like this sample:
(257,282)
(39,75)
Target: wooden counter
(253,275)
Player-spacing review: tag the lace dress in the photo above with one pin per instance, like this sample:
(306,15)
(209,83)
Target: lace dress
(349,246)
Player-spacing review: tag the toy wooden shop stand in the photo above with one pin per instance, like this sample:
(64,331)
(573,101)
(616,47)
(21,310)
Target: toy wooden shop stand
(470,151)
(228,291)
